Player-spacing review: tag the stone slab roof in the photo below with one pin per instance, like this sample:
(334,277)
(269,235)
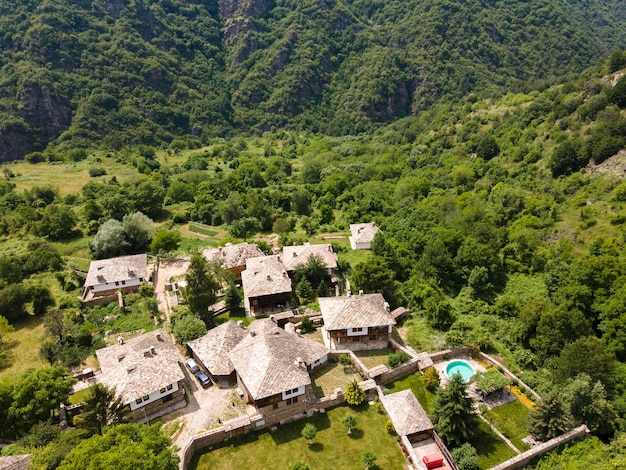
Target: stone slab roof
(233,256)
(119,269)
(293,256)
(356,311)
(15,462)
(265,275)
(213,348)
(363,233)
(266,360)
(134,370)
(407,414)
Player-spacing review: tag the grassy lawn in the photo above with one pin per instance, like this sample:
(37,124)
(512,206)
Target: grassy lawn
(79,396)
(22,348)
(490,448)
(374,357)
(416,383)
(69,177)
(234,316)
(332,447)
(417,333)
(331,375)
(510,419)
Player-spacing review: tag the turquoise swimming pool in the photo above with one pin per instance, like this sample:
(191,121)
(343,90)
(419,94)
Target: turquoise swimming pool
(460,367)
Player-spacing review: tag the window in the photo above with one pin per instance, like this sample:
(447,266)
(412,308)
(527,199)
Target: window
(117,283)
(275,406)
(138,400)
(291,401)
(167,398)
(123,283)
(356,339)
(357,330)
(373,338)
(146,398)
(292,391)
(162,390)
(170,386)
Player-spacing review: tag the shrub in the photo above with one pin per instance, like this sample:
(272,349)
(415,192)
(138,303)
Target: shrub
(465,457)
(397,358)
(93,172)
(389,427)
(431,379)
(354,394)
(344,360)
(307,325)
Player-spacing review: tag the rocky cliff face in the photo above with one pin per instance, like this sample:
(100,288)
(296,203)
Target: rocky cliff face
(237,15)
(42,117)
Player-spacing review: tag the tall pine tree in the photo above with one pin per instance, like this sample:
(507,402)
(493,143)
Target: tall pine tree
(455,419)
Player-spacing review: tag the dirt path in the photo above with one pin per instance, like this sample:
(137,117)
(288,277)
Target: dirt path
(168,268)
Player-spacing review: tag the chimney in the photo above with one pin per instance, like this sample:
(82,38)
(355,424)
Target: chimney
(252,333)
(153,350)
(295,254)
(240,323)
(387,306)
(158,337)
(360,291)
(147,353)
(349,293)
(121,357)
(299,363)
(120,340)
(269,278)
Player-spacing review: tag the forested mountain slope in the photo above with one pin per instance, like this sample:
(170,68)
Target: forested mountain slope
(119,72)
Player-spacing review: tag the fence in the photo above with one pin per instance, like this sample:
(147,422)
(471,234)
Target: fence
(524,458)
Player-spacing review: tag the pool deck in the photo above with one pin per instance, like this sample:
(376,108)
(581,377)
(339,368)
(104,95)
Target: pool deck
(442,365)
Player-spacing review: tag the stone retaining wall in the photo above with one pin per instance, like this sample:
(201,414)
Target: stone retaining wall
(524,458)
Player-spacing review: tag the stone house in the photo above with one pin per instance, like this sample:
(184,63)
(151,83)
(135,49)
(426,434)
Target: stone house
(273,367)
(266,285)
(362,235)
(146,372)
(233,257)
(211,351)
(108,276)
(356,322)
(294,256)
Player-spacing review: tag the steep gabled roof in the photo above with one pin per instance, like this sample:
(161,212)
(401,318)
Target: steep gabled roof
(213,348)
(232,256)
(135,370)
(355,311)
(123,268)
(267,359)
(363,233)
(293,256)
(265,275)
(406,413)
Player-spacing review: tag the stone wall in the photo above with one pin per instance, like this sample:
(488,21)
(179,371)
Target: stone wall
(407,368)
(524,458)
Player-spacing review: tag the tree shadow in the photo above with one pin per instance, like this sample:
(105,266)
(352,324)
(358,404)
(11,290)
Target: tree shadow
(356,434)
(316,447)
(292,431)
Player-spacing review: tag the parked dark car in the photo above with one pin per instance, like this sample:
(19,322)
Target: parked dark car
(203,378)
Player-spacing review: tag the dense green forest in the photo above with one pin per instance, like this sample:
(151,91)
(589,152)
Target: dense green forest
(120,72)
(503,227)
